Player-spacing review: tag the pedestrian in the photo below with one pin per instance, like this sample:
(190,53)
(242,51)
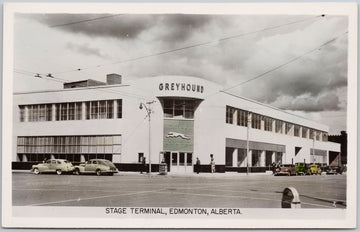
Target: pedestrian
(197,166)
(212,163)
(143,165)
(273,167)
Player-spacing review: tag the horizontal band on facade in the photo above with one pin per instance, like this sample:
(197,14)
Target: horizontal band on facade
(237,143)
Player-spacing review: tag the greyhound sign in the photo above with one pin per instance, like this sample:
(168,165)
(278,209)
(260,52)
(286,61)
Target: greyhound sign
(177,135)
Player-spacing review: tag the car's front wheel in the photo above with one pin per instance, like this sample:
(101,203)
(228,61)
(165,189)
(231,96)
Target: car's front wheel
(98,172)
(77,171)
(36,171)
(58,171)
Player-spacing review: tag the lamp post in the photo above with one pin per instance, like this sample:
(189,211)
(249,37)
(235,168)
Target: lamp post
(147,107)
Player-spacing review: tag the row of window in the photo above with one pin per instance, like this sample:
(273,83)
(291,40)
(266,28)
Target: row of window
(71,111)
(69,144)
(240,117)
(69,157)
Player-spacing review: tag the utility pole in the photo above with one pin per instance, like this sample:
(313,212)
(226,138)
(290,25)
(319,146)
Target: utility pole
(149,111)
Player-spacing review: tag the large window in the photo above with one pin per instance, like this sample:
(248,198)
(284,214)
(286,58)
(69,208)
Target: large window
(312,134)
(229,114)
(242,117)
(304,132)
(296,130)
(278,126)
(22,113)
(268,123)
(78,110)
(236,116)
(68,111)
(102,109)
(119,109)
(68,147)
(178,108)
(288,127)
(35,113)
(256,121)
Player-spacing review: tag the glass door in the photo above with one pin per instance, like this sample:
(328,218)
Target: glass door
(179,161)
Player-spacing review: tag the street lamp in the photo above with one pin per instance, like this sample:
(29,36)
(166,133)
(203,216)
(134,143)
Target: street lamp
(147,107)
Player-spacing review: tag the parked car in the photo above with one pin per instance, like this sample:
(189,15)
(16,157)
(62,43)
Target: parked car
(286,169)
(302,169)
(315,169)
(333,170)
(96,166)
(57,166)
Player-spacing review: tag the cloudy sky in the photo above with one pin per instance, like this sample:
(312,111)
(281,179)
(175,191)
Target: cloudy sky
(288,57)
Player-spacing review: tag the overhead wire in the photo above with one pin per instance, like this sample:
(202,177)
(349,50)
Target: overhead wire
(273,69)
(286,63)
(318,17)
(86,20)
(209,42)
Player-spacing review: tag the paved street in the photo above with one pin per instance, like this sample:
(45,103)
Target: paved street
(204,190)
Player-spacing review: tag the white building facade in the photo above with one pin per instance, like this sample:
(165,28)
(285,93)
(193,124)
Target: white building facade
(190,118)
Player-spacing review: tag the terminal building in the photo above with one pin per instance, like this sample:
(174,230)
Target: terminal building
(190,118)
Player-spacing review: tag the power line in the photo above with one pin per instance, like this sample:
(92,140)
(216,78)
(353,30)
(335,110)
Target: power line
(86,20)
(192,46)
(286,63)
(271,70)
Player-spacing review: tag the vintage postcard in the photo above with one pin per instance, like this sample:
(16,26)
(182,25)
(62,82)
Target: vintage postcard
(171,115)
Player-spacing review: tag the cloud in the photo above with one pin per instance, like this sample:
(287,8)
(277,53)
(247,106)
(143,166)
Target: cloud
(180,27)
(324,102)
(315,82)
(85,49)
(119,26)
(313,75)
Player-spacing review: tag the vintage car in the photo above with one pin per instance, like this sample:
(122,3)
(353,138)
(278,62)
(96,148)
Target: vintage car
(302,169)
(57,166)
(96,166)
(315,169)
(334,170)
(286,169)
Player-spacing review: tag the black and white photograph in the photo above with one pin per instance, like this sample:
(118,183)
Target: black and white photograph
(170,115)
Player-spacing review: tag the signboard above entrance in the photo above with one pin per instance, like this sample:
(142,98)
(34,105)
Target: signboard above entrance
(181,87)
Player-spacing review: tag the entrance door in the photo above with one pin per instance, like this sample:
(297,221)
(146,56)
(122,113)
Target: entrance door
(179,161)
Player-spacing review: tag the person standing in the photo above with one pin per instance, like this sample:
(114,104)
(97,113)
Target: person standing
(212,163)
(273,167)
(197,166)
(143,165)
